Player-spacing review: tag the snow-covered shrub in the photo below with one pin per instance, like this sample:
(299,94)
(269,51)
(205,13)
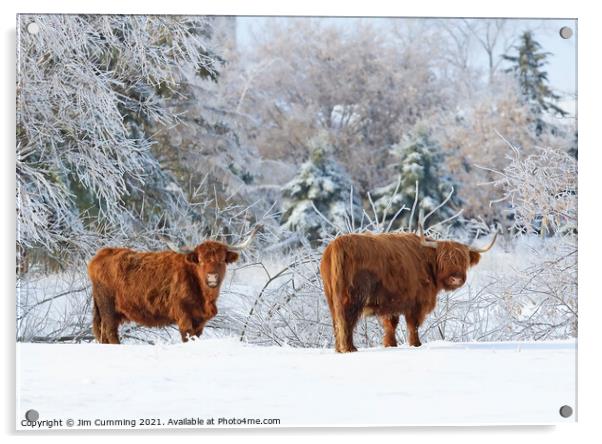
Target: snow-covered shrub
(529,291)
(289,309)
(541,191)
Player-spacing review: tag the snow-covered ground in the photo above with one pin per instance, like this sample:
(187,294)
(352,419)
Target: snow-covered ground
(438,383)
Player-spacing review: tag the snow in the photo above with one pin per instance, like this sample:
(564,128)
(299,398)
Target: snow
(438,383)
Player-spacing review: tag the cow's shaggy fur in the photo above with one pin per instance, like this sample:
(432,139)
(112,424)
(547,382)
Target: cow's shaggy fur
(157,289)
(387,275)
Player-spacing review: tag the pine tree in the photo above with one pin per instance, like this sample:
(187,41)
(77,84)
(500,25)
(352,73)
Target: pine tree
(528,66)
(420,161)
(324,184)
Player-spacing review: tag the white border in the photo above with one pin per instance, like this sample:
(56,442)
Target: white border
(590,163)
(440,8)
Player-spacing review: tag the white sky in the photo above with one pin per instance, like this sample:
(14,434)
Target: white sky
(562,67)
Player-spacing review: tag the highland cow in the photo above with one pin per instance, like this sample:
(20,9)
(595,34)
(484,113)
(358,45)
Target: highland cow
(158,289)
(387,275)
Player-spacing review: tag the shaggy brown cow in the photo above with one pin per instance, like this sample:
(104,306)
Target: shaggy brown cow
(387,275)
(158,289)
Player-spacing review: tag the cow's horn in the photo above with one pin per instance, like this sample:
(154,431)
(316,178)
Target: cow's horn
(244,244)
(423,241)
(487,248)
(184,250)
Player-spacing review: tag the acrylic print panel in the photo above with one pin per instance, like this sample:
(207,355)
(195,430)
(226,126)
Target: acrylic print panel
(278,222)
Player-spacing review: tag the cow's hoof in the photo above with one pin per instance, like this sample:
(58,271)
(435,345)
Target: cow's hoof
(347,350)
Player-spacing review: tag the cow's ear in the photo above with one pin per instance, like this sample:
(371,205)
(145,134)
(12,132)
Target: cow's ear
(231,256)
(193,257)
(474,258)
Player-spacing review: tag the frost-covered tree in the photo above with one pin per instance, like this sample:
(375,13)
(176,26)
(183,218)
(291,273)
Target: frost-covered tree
(467,37)
(359,84)
(205,147)
(528,67)
(420,163)
(319,201)
(470,138)
(88,89)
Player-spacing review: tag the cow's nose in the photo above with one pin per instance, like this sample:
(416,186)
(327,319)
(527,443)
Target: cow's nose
(212,277)
(456,281)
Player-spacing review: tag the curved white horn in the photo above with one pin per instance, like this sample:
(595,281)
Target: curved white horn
(244,244)
(487,248)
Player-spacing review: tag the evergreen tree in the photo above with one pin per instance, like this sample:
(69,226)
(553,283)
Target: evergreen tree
(90,90)
(420,160)
(160,191)
(528,66)
(323,183)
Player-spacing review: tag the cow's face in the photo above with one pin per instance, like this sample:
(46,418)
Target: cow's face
(453,261)
(211,258)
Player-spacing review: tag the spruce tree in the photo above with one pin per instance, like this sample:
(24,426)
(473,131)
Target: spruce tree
(420,160)
(528,66)
(324,184)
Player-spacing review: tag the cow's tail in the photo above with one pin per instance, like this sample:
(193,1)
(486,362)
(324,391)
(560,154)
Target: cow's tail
(335,284)
(96,321)
(335,287)
(338,282)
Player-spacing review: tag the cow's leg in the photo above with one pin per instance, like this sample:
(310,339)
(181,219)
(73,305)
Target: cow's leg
(338,326)
(352,315)
(336,329)
(186,331)
(347,314)
(103,307)
(96,319)
(335,332)
(413,321)
(186,327)
(184,320)
(110,319)
(389,324)
(332,315)
(103,334)
(339,332)
(110,328)
(198,327)
(413,338)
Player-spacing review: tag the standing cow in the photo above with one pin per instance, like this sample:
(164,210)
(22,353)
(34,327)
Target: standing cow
(387,275)
(158,289)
